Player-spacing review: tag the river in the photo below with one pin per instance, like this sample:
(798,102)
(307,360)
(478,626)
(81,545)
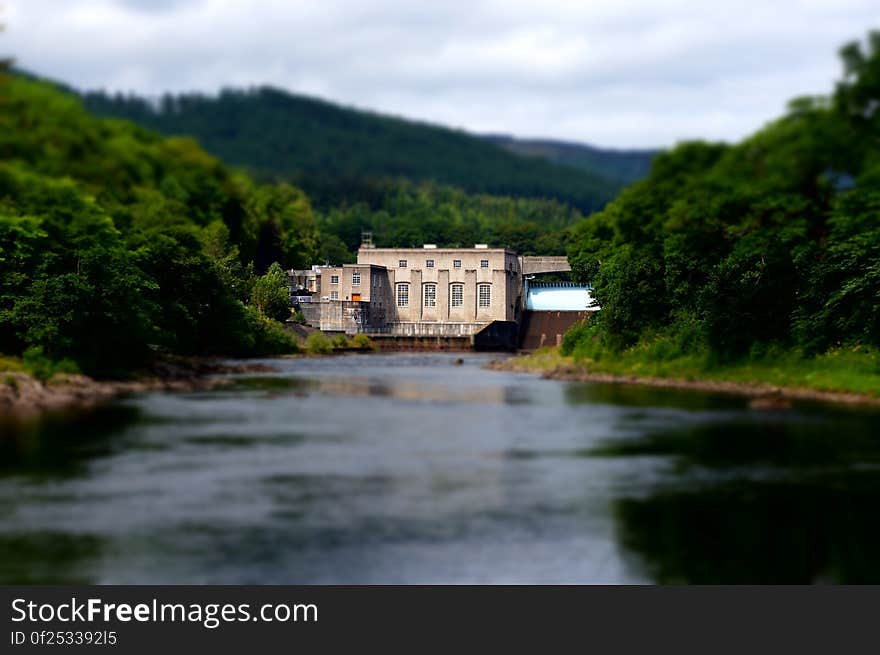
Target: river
(411,468)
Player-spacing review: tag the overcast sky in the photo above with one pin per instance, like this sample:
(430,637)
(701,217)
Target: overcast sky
(621,73)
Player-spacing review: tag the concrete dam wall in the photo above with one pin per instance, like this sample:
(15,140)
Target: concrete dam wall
(545,328)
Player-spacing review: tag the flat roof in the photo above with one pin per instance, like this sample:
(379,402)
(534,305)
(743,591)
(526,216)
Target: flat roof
(430,250)
(355,265)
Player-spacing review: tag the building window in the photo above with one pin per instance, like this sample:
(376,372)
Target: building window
(334,279)
(401,263)
(484,295)
(456,295)
(484,263)
(429,263)
(456,263)
(403,295)
(430,295)
(355,279)
(334,295)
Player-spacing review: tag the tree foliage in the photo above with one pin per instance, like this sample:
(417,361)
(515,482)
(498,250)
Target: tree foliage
(114,239)
(329,150)
(408,183)
(404,214)
(773,240)
(270,294)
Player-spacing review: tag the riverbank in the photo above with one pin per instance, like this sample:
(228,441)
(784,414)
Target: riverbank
(22,394)
(767,388)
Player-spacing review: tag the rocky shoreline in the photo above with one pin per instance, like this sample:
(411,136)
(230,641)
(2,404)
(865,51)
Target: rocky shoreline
(762,396)
(22,394)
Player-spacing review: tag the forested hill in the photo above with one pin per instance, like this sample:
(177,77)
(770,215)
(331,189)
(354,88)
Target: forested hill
(327,148)
(625,165)
(116,242)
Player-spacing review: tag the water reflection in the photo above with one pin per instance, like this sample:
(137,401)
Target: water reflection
(631,395)
(404,390)
(61,443)
(805,530)
(411,469)
(47,558)
(792,441)
(787,498)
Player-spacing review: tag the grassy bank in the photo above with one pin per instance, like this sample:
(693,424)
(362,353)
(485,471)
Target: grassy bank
(36,364)
(851,371)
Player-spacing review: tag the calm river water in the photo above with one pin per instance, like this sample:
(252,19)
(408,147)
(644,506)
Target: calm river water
(408,468)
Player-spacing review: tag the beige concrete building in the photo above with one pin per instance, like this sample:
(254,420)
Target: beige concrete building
(426,291)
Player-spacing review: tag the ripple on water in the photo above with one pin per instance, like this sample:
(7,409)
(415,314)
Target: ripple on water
(404,468)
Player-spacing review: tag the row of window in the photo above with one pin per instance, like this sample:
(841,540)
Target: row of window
(456,295)
(355,279)
(429,263)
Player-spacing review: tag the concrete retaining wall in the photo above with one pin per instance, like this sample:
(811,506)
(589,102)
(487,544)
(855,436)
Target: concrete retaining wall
(395,342)
(541,329)
(497,336)
(432,329)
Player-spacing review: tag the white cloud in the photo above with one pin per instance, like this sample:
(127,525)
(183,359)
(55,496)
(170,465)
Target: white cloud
(620,73)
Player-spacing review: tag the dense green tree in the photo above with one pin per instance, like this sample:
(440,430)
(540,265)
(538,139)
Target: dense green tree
(332,250)
(402,214)
(858,93)
(270,294)
(288,230)
(113,239)
(771,241)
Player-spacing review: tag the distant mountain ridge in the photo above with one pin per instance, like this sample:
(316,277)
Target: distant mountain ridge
(627,165)
(329,149)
